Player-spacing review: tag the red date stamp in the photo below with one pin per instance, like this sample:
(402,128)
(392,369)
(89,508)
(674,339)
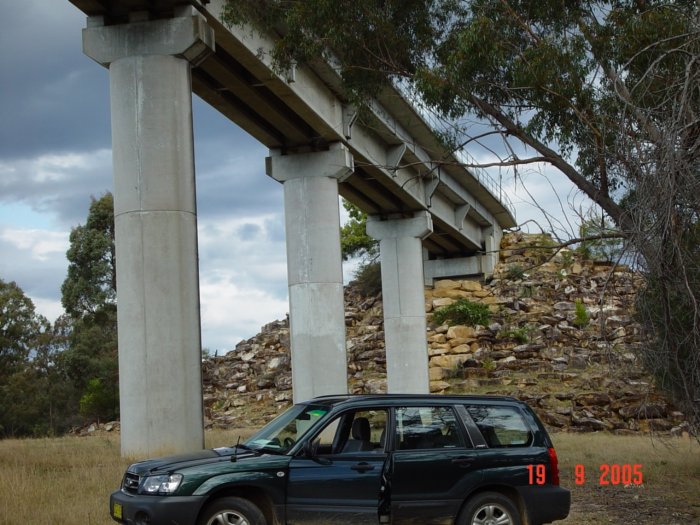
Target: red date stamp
(608,474)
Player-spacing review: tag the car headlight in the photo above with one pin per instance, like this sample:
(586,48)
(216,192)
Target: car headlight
(166,484)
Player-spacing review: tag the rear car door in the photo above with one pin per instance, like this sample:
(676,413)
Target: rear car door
(337,479)
(432,465)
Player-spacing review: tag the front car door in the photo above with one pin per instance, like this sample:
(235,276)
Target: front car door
(337,478)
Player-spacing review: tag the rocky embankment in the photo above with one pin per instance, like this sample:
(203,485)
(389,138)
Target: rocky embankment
(561,337)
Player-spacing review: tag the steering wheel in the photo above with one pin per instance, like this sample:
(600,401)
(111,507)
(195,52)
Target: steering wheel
(288,442)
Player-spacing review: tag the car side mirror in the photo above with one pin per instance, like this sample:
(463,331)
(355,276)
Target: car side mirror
(309,449)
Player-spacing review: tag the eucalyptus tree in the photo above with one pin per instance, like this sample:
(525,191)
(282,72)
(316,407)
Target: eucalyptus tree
(89,299)
(22,334)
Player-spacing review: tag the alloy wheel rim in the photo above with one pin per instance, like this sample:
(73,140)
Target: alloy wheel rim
(491,514)
(228,517)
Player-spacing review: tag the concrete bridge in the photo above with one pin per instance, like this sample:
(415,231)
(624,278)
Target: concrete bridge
(433,217)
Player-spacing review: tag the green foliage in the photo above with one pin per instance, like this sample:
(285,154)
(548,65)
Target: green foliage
(581,317)
(89,298)
(91,282)
(51,375)
(545,71)
(567,258)
(98,399)
(520,335)
(34,395)
(597,227)
(463,312)
(515,272)
(354,241)
(19,327)
(488,364)
(405,30)
(527,291)
(368,278)
(672,318)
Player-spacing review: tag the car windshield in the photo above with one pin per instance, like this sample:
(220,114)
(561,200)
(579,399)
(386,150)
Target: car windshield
(280,434)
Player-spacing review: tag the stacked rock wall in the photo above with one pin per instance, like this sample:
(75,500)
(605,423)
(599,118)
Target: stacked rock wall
(561,336)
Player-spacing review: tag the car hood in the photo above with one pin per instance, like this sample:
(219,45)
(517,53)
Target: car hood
(178,463)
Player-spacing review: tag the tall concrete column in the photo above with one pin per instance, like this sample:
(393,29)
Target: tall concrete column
(492,245)
(403,296)
(160,382)
(314,268)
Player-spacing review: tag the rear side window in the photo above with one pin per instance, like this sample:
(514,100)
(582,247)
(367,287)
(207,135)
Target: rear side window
(427,428)
(501,426)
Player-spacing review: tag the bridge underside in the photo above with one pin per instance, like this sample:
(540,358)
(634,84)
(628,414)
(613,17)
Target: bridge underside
(432,216)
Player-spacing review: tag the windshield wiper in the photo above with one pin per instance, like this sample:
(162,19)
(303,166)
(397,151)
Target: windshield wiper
(246,447)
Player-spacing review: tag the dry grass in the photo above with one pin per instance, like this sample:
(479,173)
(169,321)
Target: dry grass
(58,481)
(670,493)
(68,480)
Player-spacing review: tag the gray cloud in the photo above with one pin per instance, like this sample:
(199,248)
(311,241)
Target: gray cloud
(54,97)
(35,260)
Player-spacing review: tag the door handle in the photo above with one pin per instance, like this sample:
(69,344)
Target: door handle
(463,461)
(362,467)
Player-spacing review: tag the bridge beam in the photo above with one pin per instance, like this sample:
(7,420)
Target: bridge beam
(314,267)
(160,379)
(403,296)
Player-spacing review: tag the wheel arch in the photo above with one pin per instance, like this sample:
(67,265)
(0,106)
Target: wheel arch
(506,490)
(260,497)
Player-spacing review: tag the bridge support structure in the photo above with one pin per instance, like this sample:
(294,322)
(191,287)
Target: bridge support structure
(158,314)
(314,267)
(403,296)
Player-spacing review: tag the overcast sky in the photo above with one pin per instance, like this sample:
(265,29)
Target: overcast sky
(55,155)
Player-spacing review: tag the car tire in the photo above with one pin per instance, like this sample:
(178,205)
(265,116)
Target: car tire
(489,508)
(231,511)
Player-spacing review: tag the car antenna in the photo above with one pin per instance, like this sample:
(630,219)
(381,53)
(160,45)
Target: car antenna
(234,457)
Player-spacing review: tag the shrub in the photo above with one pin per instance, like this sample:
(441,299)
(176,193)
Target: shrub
(581,317)
(463,312)
(567,258)
(515,272)
(519,335)
(369,278)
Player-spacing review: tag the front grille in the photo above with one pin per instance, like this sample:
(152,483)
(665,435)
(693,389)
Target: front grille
(130,483)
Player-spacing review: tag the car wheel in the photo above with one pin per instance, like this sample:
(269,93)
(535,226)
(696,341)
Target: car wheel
(489,508)
(232,511)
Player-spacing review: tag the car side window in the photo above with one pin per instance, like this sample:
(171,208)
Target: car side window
(501,426)
(359,431)
(367,432)
(427,428)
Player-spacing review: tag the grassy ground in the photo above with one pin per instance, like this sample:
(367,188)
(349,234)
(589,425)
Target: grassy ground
(68,480)
(669,494)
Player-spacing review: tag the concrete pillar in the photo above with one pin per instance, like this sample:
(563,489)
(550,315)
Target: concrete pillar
(492,245)
(160,382)
(404,300)
(314,267)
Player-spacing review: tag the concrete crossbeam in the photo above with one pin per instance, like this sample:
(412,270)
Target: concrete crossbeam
(403,298)
(158,310)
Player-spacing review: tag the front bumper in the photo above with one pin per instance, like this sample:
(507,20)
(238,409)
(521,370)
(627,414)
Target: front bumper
(154,510)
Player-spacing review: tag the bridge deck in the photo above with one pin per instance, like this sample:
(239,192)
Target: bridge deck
(395,158)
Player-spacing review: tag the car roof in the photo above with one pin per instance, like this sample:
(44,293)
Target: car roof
(397,399)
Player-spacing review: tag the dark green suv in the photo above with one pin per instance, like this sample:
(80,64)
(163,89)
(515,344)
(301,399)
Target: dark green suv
(398,459)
